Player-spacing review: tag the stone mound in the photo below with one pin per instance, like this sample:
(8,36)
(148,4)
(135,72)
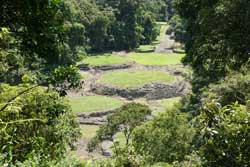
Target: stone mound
(153,91)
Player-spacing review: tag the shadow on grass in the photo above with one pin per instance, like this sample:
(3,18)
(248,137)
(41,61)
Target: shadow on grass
(144,51)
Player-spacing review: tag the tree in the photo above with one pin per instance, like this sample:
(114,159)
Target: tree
(178,27)
(225,131)
(34,121)
(157,7)
(234,87)
(219,38)
(167,138)
(125,120)
(150,29)
(39,37)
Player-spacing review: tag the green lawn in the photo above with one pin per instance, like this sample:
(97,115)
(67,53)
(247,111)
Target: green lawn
(145,48)
(89,131)
(169,103)
(105,59)
(166,104)
(93,103)
(156,58)
(132,79)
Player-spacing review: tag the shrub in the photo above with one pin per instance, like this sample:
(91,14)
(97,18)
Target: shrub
(232,88)
(34,120)
(166,138)
(225,131)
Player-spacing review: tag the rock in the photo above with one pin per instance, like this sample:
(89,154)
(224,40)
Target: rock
(113,67)
(84,67)
(106,148)
(153,91)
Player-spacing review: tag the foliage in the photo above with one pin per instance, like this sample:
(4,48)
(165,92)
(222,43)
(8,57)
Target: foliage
(167,138)
(34,121)
(234,87)
(124,119)
(178,27)
(156,58)
(126,156)
(218,41)
(35,24)
(94,103)
(37,161)
(134,79)
(132,28)
(158,8)
(65,78)
(225,131)
(151,30)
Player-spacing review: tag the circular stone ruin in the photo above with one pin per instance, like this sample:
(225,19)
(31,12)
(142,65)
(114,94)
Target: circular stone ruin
(132,84)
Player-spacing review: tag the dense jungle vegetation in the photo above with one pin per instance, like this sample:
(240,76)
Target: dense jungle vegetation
(42,41)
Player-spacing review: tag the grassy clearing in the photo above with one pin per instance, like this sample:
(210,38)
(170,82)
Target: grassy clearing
(166,104)
(105,59)
(133,79)
(89,131)
(93,103)
(156,58)
(145,48)
(169,103)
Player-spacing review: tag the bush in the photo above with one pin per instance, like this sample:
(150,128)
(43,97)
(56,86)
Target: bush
(166,138)
(124,119)
(34,121)
(225,131)
(232,88)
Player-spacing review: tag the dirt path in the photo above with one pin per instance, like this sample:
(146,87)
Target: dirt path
(166,44)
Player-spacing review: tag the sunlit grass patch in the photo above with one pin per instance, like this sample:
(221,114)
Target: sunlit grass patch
(146,48)
(156,58)
(94,103)
(133,79)
(104,59)
(169,103)
(89,131)
(166,104)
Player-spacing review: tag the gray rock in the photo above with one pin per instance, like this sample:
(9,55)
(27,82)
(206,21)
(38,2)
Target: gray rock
(106,148)
(153,91)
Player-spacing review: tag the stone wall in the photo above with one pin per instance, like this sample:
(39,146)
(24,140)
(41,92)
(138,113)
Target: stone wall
(153,91)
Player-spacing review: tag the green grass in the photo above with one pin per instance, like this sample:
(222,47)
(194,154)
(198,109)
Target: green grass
(93,103)
(169,103)
(145,48)
(84,76)
(165,104)
(132,79)
(89,131)
(156,58)
(119,137)
(105,59)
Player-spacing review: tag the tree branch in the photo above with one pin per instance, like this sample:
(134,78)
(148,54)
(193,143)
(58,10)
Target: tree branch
(19,94)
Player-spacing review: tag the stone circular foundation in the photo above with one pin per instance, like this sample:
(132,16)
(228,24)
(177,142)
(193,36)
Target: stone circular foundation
(152,91)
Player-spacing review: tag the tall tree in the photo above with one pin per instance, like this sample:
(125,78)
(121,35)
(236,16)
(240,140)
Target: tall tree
(220,35)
